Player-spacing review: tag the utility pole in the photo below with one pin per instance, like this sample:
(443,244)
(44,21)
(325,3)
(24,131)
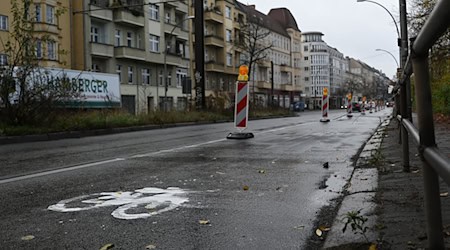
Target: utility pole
(271,83)
(199,74)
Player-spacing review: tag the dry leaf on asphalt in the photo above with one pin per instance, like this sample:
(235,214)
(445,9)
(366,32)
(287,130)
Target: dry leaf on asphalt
(245,187)
(444,194)
(262,171)
(415,171)
(203,222)
(301,227)
(107,246)
(28,237)
(150,247)
(324,228)
(373,247)
(319,232)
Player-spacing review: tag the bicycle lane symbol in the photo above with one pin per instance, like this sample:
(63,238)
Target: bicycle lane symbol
(142,203)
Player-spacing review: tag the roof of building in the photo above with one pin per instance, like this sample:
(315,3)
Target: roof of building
(284,17)
(276,22)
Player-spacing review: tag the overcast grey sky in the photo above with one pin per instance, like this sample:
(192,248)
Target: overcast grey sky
(355,29)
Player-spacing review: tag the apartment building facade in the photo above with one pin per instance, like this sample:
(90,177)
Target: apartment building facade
(145,43)
(50,29)
(275,77)
(337,77)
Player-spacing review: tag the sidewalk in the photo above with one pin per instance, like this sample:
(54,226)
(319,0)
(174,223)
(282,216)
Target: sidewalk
(391,200)
(400,196)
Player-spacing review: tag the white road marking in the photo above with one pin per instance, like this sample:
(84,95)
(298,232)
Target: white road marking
(20,178)
(143,203)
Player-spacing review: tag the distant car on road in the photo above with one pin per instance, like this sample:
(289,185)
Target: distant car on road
(356,106)
(389,104)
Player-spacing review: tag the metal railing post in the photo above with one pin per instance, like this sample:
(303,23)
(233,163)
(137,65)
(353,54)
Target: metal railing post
(427,139)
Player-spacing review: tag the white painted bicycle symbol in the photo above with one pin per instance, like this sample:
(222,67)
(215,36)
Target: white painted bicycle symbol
(142,203)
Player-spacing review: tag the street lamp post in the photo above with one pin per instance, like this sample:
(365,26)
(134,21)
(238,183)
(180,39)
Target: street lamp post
(389,54)
(166,86)
(393,19)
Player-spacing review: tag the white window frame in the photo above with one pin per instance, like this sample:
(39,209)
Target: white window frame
(228,35)
(118,38)
(130,74)
(3,22)
(38,49)
(153,12)
(130,39)
(51,50)
(229,59)
(119,71)
(50,14)
(145,76)
(228,12)
(38,12)
(95,36)
(154,43)
(167,17)
(180,75)
(3,59)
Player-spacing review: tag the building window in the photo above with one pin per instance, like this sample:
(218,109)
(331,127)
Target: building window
(145,76)
(94,34)
(154,43)
(118,37)
(130,39)
(39,49)
(3,22)
(95,68)
(167,17)
(130,74)
(306,79)
(228,35)
(50,14)
(38,17)
(3,60)
(228,12)
(306,68)
(306,58)
(138,41)
(181,75)
(154,12)
(119,71)
(229,59)
(51,50)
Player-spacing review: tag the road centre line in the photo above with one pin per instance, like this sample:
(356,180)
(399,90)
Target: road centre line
(25,177)
(93,164)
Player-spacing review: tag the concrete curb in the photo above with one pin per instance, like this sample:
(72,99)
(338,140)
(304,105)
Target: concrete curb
(360,196)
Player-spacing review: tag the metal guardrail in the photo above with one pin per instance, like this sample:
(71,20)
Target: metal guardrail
(435,164)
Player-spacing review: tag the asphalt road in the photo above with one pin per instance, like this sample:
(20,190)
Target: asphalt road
(179,188)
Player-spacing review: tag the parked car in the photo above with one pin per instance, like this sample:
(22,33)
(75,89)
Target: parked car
(298,106)
(389,104)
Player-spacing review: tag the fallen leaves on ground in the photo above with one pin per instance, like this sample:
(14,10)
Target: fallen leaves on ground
(373,246)
(28,237)
(245,187)
(301,227)
(107,246)
(444,194)
(415,171)
(319,232)
(204,222)
(150,247)
(262,171)
(324,228)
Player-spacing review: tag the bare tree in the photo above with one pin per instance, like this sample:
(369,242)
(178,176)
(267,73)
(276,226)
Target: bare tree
(253,40)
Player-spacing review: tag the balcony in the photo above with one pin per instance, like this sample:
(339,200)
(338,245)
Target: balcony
(174,59)
(180,5)
(214,66)
(286,87)
(263,85)
(285,68)
(128,17)
(129,53)
(45,27)
(178,31)
(213,16)
(231,70)
(264,63)
(102,49)
(101,13)
(214,40)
